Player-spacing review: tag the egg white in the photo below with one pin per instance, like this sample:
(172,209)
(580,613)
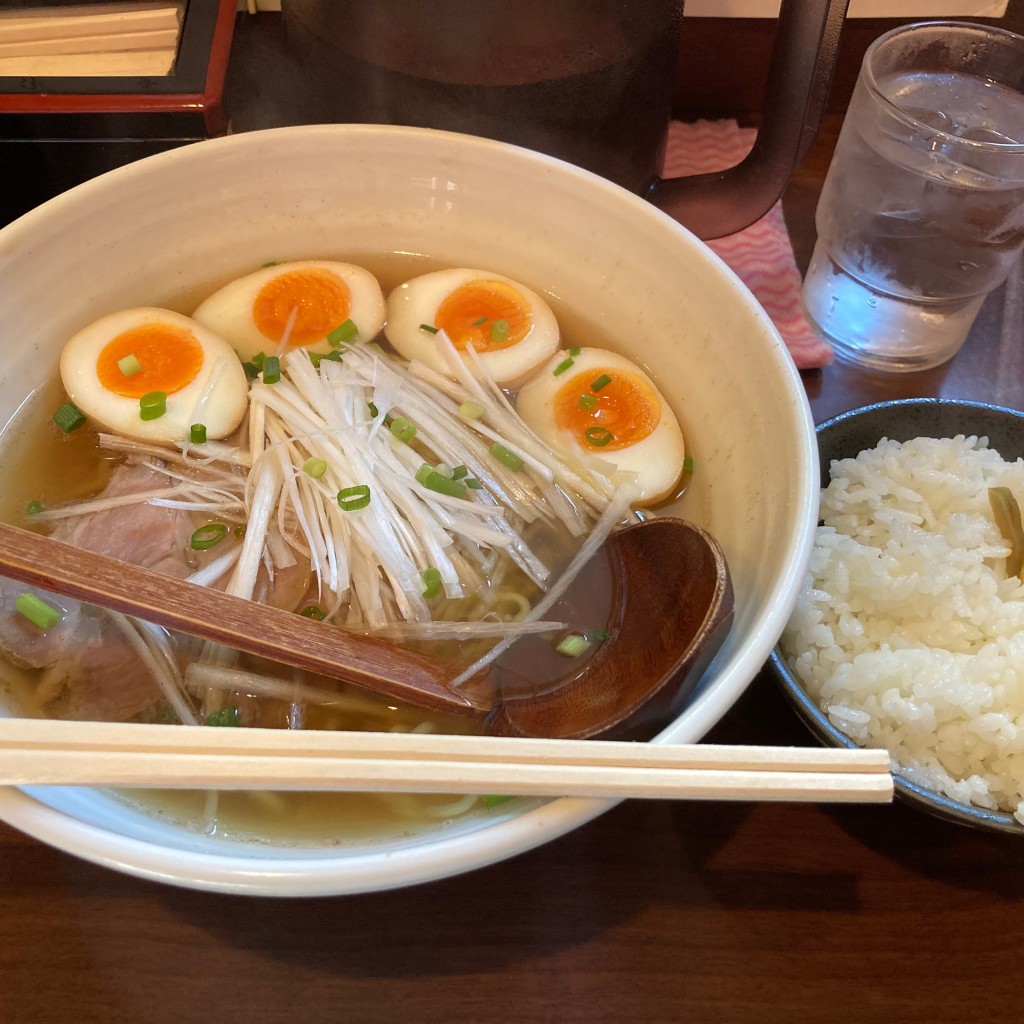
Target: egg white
(228,311)
(416,302)
(656,460)
(221,413)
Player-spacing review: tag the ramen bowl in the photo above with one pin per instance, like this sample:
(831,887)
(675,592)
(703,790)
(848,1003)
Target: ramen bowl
(171,225)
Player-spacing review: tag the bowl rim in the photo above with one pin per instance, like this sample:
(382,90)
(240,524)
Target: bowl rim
(339,873)
(922,400)
(912,793)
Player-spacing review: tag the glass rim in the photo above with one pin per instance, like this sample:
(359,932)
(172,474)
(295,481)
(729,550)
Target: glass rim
(868,76)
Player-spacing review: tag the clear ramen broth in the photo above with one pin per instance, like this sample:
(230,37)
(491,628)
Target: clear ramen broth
(51,467)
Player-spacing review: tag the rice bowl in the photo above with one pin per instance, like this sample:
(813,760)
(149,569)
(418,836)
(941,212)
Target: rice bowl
(909,632)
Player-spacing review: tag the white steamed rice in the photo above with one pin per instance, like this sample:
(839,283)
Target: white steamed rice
(907,631)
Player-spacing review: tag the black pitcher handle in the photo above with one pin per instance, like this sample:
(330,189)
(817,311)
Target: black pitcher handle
(799,78)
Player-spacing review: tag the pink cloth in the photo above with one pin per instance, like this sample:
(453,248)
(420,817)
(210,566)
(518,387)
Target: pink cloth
(761,255)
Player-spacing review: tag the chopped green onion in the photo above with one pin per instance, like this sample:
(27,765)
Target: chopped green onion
(575,351)
(343,332)
(403,430)
(374,411)
(68,417)
(499,331)
(259,360)
(564,365)
(471,410)
(434,481)
(316,358)
(351,499)
(688,464)
(598,436)
(168,716)
(474,485)
(252,371)
(33,508)
(129,365)
(572,645)
(490,800)
(226,717)
(480,322)
(152,405)
(208,535)
(431,582)
(269,263)
(587,402)
(507,458)
(197,433)
(428,328)
(239,530)
(597,636)
(314,468)
(313,611)
(602,382)
(37,611)
(445,470)
(271,370)
(459,472)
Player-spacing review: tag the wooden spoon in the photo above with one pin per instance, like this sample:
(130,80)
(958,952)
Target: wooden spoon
(671,599)
(672,603)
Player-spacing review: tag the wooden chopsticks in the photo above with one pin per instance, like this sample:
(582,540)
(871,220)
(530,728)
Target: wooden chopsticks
(37,752)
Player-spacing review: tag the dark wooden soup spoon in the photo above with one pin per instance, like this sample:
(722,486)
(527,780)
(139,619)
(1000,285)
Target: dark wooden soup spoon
(671,608)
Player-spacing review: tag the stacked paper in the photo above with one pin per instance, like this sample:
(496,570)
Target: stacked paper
(91,40)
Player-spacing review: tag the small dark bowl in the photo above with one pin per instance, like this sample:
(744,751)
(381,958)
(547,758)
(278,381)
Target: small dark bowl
(844,436)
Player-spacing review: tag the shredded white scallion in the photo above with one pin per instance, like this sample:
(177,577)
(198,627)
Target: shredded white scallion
(483,541)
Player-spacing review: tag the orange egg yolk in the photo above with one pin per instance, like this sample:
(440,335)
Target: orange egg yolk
(170,356)
(485,314)
(312,301)
(627,407)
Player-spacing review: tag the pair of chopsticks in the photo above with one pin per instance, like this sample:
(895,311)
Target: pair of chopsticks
(36,752)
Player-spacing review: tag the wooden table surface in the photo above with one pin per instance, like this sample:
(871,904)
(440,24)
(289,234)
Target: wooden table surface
(653,912)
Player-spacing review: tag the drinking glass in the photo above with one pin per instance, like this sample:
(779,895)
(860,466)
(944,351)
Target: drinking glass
(922,211)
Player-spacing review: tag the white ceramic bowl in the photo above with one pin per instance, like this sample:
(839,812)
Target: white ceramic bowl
(175,222)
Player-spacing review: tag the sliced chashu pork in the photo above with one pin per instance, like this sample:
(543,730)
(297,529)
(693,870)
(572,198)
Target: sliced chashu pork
(91,668)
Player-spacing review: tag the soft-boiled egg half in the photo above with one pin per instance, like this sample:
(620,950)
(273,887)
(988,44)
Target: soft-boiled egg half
(597,402)
(116,370)
(309,304)
(510,326)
